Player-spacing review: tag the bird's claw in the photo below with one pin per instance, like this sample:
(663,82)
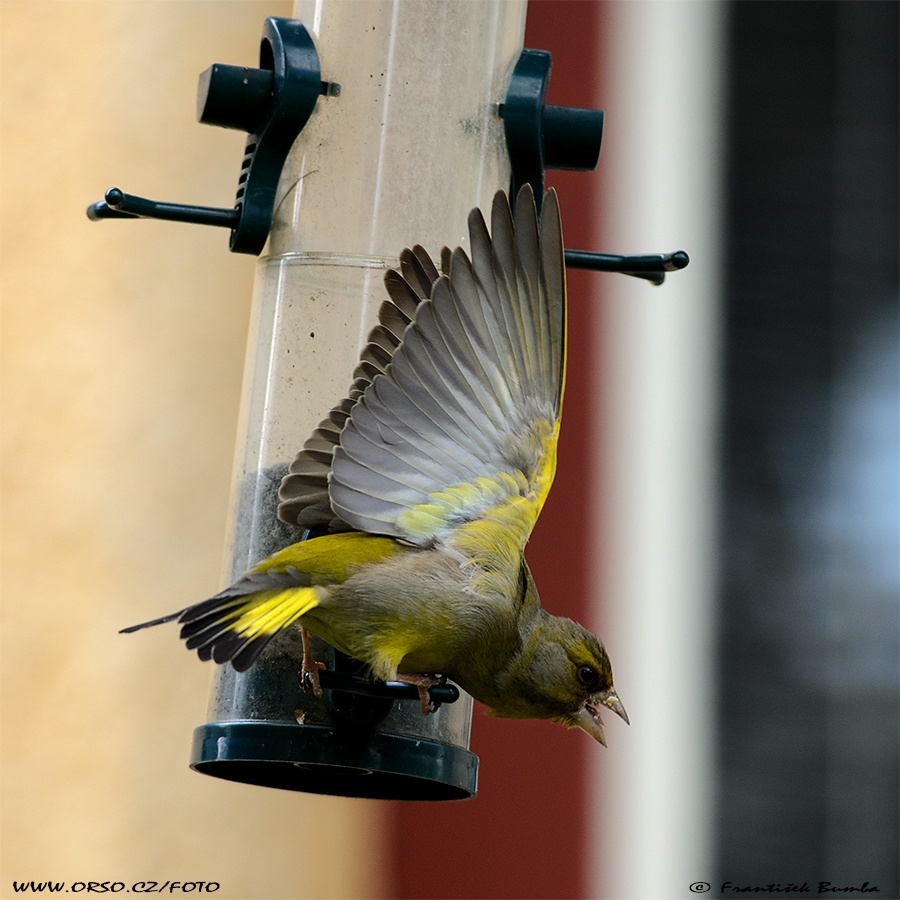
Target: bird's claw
(309,668)
(309,677)
(424,683)
(428,705)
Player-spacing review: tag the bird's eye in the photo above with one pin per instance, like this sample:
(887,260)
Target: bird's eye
(587,676)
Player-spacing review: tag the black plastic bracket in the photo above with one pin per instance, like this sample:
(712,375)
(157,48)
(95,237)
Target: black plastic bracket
(388,690)
(271,103)
(652,266)
(541,137)
(356,700)
(359,702)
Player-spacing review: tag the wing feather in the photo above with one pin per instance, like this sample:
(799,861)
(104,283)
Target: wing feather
(453,365)
(468,360)
(487,268)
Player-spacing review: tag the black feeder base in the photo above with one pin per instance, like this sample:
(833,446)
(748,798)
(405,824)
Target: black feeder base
(322,760)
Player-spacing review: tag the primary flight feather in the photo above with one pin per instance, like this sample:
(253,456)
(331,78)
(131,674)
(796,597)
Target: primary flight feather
(428,480)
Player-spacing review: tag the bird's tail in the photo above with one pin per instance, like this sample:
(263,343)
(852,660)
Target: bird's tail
(234,626)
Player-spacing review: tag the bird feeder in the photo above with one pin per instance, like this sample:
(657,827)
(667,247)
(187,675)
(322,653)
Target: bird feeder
(404,142)
(370,129)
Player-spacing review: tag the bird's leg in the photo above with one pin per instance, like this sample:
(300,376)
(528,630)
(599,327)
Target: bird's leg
(309,668)
(423,683)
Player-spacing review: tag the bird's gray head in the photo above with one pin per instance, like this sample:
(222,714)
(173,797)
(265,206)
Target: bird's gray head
(562,673)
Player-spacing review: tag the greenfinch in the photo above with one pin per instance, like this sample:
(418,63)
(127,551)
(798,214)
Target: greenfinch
(424,486)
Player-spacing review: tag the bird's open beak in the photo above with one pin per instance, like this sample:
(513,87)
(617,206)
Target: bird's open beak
(610,699)
(588,717)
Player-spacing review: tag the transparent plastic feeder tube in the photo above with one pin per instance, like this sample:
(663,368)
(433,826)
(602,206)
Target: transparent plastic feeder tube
(410,144)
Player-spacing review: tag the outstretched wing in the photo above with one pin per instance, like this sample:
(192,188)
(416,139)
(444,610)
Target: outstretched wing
(456,442)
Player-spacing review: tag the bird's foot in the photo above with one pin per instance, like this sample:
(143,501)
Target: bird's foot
(309,668)
(423,683)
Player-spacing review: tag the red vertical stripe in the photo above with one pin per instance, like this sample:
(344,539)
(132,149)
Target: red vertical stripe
(526,834)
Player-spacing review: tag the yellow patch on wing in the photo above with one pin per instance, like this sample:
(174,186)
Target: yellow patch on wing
(459,503)
(490,519)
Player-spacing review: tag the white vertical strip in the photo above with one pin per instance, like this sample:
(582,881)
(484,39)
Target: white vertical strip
(658,378)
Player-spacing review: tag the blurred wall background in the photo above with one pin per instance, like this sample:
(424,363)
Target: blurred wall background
(810,449)
(783,758)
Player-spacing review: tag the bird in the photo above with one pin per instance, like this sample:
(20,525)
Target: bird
(422,487)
